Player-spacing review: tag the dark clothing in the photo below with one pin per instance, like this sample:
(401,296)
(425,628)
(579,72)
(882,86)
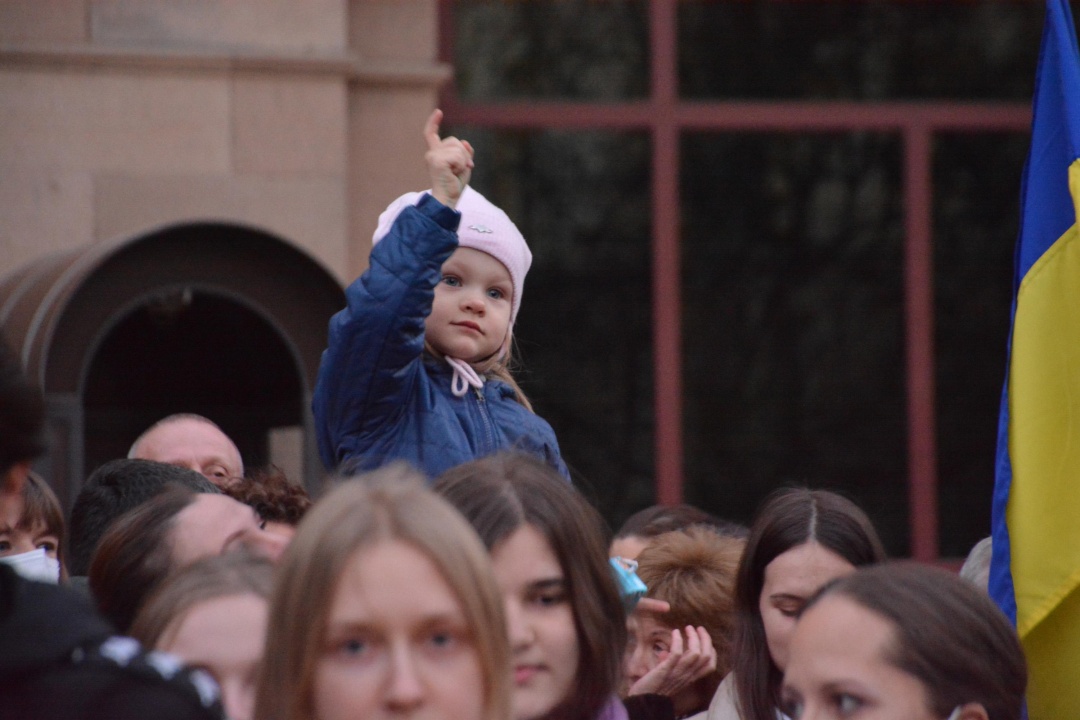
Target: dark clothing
(379,397)
(649,707)
(59,660)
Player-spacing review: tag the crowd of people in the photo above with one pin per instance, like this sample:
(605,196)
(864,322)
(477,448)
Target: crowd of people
(451,570)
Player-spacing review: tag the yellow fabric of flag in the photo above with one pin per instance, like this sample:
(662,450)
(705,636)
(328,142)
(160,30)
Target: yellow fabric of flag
(1044,444)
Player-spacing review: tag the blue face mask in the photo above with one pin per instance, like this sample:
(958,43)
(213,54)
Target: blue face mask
(631,589)
(35,565)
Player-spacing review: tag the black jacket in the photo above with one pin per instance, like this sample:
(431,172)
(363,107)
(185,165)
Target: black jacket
(60,660)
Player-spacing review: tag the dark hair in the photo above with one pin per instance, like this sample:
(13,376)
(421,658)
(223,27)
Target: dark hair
(500,494)
(787,519)
(272,494)
(135,556)
(112,490)
(659,519)
(947,633)
(22,414)
(42,507)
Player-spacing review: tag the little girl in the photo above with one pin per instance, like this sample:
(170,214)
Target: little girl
(416,364)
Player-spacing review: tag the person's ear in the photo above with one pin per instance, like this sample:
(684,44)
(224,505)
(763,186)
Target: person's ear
(972,711)
(12,482)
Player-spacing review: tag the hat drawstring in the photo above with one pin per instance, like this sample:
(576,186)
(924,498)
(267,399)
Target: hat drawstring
(464,377)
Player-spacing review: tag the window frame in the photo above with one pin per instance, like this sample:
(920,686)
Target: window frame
(664,117)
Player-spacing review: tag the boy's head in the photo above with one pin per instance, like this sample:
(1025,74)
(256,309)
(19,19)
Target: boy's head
(489,230)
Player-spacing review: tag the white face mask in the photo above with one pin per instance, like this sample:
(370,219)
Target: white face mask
(35,565)
(954,714)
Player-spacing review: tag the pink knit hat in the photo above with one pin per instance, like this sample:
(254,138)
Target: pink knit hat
(483,227)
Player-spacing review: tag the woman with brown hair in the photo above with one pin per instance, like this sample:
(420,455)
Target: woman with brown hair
(903,641)
(548,548)
(385,604)
(212,615)
(32,532)
(800,540)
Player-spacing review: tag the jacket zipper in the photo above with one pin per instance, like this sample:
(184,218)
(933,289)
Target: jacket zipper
(485,418)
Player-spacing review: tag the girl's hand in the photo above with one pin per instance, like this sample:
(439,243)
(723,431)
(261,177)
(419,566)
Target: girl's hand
(449,161)
(682,667)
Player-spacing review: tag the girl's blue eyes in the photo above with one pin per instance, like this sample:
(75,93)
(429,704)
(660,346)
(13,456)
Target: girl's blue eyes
(442,640)
(493,293)
(353,647)
(847,704)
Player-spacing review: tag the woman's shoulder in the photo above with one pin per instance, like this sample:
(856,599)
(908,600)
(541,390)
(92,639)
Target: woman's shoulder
(723,705)
(613,709)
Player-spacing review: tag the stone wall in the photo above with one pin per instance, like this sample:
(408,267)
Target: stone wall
(299,117)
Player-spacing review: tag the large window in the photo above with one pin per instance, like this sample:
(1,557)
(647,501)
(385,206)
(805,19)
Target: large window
(773,241)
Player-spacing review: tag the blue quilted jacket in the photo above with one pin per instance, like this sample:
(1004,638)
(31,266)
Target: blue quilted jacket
(380,398)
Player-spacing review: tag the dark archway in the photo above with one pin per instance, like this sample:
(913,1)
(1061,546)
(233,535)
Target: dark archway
(190,352)
(213,318)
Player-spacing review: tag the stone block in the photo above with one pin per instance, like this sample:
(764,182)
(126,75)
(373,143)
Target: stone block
(42,212)
(35,21)
(289,125)
(394,29)
(308,212)
(254,25)
(98,120)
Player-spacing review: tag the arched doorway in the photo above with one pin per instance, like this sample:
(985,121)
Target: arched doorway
(218,319)
(188,351)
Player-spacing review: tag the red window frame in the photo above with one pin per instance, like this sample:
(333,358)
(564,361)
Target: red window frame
(664,116)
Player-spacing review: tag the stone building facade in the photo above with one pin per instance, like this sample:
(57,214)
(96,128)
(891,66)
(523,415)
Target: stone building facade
(185,187)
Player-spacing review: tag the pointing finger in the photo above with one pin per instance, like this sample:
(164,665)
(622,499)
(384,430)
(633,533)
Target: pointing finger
(431,129)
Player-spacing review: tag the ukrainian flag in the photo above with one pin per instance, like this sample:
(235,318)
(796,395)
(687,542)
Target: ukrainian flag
(1035,574)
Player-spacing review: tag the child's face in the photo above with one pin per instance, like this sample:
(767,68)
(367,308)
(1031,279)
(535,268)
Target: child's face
(15,540)
(471,313)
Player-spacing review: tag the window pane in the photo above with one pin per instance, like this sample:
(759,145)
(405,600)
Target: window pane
(976,217)
(793,321)
(551,49)
(584,331)
(852,49)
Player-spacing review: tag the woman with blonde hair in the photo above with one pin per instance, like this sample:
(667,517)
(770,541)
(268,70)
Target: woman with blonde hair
(384,604)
